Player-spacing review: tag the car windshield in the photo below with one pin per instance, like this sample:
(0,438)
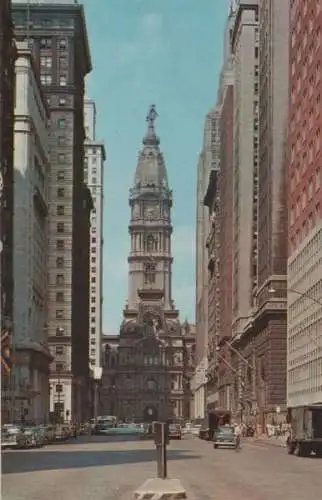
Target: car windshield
(226,430)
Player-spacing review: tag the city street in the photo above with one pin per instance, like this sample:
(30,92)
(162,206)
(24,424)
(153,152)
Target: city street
(95,468)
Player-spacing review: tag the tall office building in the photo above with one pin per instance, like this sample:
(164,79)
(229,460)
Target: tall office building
(304,356)
(7,88)
(269,325)
(245,50)
(57,31)
(208,160)
(94,177)
(30,252)
(245,53)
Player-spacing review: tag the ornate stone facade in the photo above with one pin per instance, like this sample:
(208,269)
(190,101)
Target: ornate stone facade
(147,374)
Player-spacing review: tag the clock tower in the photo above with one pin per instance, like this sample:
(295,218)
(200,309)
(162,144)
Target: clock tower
(147,377)
(150,226)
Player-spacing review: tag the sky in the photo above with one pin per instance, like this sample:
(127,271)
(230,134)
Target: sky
(163,52)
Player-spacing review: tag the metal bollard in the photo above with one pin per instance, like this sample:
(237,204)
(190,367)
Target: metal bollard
(161,440)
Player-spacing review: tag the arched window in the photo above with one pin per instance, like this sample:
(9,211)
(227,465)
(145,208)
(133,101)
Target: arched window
(149,273)
(150,243)
(151,384)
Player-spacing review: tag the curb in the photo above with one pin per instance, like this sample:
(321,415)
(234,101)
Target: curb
(276,443)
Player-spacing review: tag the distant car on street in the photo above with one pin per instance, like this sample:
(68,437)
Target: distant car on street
(175,431)
(225,437)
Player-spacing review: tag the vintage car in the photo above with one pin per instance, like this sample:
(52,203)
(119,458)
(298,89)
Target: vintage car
(10,435)
(225,437)
(175,431)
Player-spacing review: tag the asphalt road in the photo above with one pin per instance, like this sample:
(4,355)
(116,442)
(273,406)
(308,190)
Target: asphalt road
(99,469)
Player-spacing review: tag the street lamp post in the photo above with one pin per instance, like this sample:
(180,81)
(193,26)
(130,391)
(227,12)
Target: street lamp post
(97,372)
(242,382)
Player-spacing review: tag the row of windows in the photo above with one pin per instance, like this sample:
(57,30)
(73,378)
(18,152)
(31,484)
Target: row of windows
(47,79)
(307,227)
(314,183)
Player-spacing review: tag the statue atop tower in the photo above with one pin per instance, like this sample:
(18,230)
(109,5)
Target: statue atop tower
(151,117)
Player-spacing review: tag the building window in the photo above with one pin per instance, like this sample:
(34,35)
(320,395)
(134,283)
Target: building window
(62,44)
(60,175)
(60,192)
(61,140)
(60,262)
(62,101)
(59,331)
(59,387)
(93,319)
(93,250)
(93,331)
(61,123)
(61,158)
(93,260)
(93,300)
(60,244)
(60,210)
(94,180)
(60,297)
(45,61)
(60,280)
(62,61)
(93,352)
(63,80)
(93,310)
(59,349)
(59,367)
(60,227)
(45,43)
(59,315)
(93,240)
(93,279)
(45,78)
(93,341)
(149,273)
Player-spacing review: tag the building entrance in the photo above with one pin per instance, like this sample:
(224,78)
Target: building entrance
(150,414)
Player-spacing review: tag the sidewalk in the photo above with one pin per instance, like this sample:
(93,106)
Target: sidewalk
(272,441)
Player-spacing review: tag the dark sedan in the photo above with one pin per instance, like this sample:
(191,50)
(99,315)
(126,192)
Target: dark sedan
(225,437)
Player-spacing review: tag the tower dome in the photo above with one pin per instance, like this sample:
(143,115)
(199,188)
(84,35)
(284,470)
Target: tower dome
(151,170)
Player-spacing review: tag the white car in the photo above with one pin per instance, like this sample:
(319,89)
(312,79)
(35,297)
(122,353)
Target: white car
(195,429)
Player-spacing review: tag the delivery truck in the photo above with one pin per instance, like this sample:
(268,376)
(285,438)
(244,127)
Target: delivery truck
(305,434)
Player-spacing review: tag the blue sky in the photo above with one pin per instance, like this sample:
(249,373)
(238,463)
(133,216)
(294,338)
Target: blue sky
(163,52)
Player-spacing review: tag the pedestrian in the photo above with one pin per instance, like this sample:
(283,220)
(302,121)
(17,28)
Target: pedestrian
(238,432)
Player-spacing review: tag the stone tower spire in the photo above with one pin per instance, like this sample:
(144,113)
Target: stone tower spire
(150,226)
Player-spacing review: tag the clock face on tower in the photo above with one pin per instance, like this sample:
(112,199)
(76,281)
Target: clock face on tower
(151,212)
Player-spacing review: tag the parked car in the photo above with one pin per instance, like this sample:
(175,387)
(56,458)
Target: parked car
(10,434)
(175,431)
(204,433)
(35,437)
(225,437)
(26,439)
(48,433)
(62,433)
(195,429)
(187,428)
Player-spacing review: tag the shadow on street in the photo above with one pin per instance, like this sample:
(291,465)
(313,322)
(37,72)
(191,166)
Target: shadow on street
(24,461)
